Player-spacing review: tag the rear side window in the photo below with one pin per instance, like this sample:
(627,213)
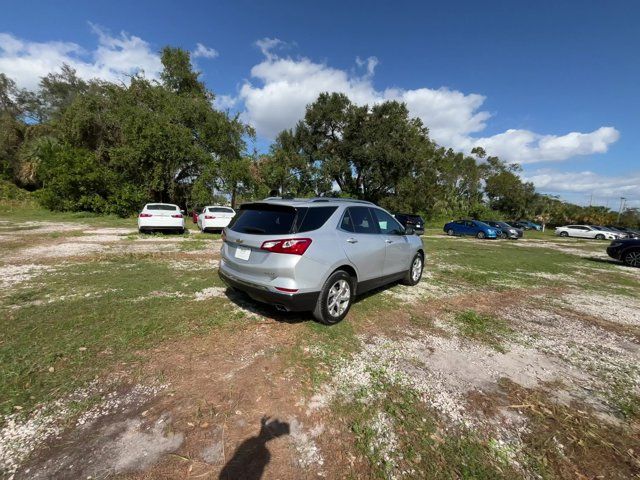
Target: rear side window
(171,208)
(386,223)
(347,224)
(264,220)
(313,218)
(362,220)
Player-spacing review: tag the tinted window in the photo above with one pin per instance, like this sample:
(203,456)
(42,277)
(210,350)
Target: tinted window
(346,223)
(220,209)
(386,223)
(171,208)
(362,220)
(264,219)
(313,218)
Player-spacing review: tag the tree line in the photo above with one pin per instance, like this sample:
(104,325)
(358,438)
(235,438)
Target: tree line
(109,148)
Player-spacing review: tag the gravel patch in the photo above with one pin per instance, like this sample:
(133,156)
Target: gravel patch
(12,275)
(613,308)
(304,443)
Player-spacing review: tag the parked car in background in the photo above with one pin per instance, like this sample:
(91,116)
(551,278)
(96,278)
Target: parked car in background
(161,217)
(627,231)
(215,217)
(316,254)
(585,231)
(474,228)
(527,225)
(194,215)
(408,220)
(505,230)
(627,250)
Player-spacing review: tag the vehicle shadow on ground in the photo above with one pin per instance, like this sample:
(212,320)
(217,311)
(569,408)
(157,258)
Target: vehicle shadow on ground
(252,456)
(606,261)
(246,303)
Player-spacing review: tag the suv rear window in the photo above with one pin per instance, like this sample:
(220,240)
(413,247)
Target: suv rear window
(264,219)
(171,208)
(269,219)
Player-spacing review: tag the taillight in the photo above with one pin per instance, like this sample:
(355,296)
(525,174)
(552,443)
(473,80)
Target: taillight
(287,290)
(145,215)
(294,246)
(209,217)
(177,215)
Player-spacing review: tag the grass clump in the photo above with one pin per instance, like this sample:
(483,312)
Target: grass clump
(483,328)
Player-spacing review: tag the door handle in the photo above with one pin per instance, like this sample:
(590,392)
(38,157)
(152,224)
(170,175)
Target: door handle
(352,240)
(386,240)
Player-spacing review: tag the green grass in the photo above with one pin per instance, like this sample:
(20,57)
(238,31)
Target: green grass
(483,328)
(109,326)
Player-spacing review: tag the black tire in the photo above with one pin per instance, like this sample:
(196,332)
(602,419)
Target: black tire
(412,278)
(181,231)
(599,237)
(450,232)
(504,235)
(322,311)
(480,235)
(631,257)
(564,234)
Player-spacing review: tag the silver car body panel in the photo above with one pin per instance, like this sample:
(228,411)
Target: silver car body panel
(374,257)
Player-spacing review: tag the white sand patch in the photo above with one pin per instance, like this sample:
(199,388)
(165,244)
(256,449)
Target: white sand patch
(38,228)
(304,443)
(441,370)
(60,250)
(111,231)
(194,265)
(613,308)
(160,294)
(600,356)
(427,288)
(12,275)
(384,444)
(20,435)
(100,238)
(211,292)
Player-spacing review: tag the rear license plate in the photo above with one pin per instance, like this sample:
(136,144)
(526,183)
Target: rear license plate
(242,253)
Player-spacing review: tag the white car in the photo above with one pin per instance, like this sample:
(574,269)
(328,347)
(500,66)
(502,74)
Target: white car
(161,216)
(586,231)
(215,217)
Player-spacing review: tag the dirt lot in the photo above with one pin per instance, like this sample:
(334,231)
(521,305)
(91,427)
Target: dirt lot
(124,356)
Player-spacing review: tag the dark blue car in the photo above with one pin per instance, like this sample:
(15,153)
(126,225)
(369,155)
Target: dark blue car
(471,227)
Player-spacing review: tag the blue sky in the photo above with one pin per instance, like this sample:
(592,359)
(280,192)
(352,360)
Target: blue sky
(551,85)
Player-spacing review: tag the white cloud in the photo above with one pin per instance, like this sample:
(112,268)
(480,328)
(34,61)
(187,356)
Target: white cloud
(281,87)
(584,184)
(114,58)
(203,51)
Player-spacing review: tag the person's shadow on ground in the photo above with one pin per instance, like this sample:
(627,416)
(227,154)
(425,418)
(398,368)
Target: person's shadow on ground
(252,456)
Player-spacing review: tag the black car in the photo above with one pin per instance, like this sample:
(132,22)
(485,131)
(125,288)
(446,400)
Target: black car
(626,250)
(506,230)
(410,220)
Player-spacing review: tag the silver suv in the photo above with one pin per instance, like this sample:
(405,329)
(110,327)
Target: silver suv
(317,254)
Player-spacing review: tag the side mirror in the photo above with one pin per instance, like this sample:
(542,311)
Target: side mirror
(409,231)
(182,211)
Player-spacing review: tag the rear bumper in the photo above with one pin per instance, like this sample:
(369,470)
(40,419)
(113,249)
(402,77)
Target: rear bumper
(292,302)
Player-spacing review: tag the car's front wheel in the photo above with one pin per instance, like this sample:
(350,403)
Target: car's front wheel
(450,232)
(414,274)
(564,234)
(599,237)
(632,258)
(335,298)
(503,235)
(480,235)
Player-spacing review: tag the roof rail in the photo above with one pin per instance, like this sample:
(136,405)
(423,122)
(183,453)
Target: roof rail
(339,199)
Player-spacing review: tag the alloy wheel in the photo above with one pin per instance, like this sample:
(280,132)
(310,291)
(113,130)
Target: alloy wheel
(338,298)
(416,269)
(632,259)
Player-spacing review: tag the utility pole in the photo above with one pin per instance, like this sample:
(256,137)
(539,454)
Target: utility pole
(622,200)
